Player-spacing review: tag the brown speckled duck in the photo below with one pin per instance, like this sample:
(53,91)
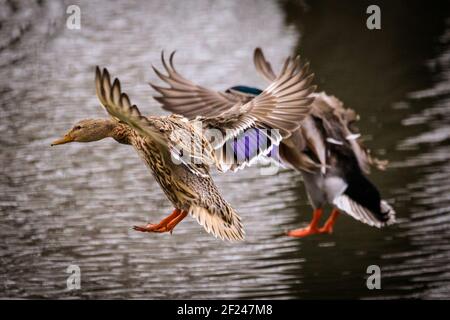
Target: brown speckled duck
(325,149)
(179,153)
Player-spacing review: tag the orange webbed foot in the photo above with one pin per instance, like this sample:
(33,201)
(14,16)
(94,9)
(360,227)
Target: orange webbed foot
(150,227)
(166,225)
(312,228)
(303,232)
(309,230)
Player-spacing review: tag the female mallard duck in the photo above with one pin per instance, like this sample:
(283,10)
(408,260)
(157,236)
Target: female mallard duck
(179,154)
(325,149)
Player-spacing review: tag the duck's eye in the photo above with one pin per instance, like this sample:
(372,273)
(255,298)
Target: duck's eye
(161,130)
(77,128)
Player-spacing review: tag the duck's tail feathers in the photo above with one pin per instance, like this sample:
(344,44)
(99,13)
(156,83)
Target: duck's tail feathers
(385,216)
(224,226)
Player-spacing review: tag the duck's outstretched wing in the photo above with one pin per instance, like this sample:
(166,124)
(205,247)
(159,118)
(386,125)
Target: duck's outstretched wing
(242,131)
(281,106)
(187,98)
(273,115)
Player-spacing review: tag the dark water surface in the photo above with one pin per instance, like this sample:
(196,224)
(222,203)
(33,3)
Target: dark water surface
(76,204)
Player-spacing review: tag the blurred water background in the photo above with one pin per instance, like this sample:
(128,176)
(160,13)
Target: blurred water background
(76,204)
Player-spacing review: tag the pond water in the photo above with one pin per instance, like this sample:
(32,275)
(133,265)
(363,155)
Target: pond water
(76,204)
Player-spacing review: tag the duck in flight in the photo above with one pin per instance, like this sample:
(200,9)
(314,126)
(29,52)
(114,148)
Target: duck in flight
(325,149)
(180,155)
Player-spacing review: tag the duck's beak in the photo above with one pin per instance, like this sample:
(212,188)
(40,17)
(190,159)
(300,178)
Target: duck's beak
(66,139)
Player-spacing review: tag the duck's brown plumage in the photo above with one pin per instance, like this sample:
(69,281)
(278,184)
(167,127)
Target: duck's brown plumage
(161,140)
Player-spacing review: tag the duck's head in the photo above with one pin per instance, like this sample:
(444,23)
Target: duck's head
(86,131)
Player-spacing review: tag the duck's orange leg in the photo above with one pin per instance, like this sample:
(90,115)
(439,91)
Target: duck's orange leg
(166,225)
(171,225)
(311,228)
(328,226)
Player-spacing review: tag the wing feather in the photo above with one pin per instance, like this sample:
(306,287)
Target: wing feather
(263,66)
(183,96)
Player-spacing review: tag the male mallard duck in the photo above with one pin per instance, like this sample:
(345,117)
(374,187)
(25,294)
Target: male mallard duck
(325,149)
(179,154)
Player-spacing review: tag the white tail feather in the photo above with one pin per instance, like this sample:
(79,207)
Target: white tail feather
(362,214)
